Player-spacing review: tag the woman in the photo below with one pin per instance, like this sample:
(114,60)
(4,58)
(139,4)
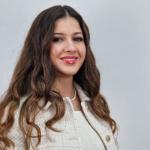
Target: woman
(53,101)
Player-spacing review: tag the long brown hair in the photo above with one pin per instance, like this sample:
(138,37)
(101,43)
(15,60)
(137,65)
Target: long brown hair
(34,75)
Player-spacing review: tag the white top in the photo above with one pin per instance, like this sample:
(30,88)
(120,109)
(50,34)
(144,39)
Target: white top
(89,138)
(73,126)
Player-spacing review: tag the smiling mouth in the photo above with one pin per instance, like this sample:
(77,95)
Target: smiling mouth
(69,59)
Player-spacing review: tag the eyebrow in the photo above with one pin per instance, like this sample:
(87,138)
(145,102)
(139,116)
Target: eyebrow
(60,33)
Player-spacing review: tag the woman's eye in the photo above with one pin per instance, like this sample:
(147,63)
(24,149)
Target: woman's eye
(78,39)
(57,39)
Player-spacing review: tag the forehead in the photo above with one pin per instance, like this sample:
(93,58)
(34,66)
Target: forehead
(67,25)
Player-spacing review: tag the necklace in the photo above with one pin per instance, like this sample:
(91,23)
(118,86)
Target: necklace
(74,97)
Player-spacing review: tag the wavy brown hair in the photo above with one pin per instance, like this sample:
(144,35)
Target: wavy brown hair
(34,76)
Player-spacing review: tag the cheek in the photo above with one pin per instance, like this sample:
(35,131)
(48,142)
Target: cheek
(83,52)
(53,56)
(55,52)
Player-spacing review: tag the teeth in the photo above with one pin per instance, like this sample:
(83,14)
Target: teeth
(70,58)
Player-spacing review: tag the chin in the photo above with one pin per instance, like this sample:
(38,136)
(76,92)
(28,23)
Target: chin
(68,73)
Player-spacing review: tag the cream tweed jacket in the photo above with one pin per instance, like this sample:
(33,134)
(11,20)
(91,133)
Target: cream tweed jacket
(67,139)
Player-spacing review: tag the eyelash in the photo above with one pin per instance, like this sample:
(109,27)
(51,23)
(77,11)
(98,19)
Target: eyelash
(59,39)
(78,39)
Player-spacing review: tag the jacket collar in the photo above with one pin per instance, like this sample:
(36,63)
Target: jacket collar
(81,93)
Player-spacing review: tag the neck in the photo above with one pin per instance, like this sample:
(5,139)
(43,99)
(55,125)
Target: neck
(64,86)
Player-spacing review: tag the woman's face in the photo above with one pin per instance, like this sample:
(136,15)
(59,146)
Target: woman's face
(67,49)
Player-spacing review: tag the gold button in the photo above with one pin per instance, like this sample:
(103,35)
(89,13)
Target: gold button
(107,138)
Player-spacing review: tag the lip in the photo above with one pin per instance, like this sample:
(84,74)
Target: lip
(69,59)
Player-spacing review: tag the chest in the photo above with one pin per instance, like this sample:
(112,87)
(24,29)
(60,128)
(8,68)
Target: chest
(71,132)
(75,134)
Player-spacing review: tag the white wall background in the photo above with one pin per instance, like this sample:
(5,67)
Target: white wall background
(120,32)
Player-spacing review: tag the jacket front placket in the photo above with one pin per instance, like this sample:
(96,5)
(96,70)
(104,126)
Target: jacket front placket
(102,131)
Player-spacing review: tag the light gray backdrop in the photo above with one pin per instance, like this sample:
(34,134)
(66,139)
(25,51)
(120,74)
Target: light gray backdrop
(120,33)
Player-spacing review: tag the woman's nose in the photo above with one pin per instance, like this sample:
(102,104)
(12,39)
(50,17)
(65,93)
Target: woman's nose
(70,46)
